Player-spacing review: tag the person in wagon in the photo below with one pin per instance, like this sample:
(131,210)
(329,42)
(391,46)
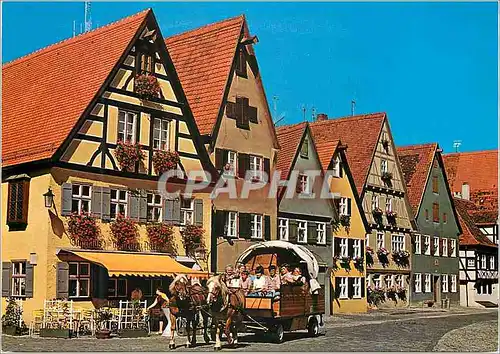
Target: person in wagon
(232,280)
(260,283)
(246,282)
(274,279)
(286,275)
(298,278)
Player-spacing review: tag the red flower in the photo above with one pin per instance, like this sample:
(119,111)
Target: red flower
(125,233)
(147,86)
(192,238)
(164,161)
(84,231)
(161,237)
(128,154)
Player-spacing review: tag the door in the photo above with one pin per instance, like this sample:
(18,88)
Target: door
(437,289)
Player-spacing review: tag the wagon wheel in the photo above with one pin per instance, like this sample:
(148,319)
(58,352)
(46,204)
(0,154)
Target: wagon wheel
(277,333)
(313,327)
(180,325)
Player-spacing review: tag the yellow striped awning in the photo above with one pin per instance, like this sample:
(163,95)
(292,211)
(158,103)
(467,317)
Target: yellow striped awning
(138,264)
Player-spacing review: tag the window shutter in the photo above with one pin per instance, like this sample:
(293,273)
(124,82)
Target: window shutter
(99,281)
(243,164)
(230,110)
(432,283)
(176,211)
(133,205)
(66,199)
(6,278)
(220,158)
(252,114)
(97,202)
(441,247)
(143,206)
(336,246)
(198,212)
(337,287)
(363,285)
(329,235)
(267,227)
(431,241)
(29,280)
(168,209)
(414,286)
(220,218)
(312,237)
(362,248)
(26,195)
(106,203)
(350,247)
(62,291)
(267,168)
(350,287)
(348,206)
(244,225)
(292,236)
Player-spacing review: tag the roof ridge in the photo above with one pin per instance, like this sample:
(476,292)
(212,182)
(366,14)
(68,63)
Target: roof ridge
(174,36)
(417,146)
(471,152)
(356,117)
(72,40)
(291,127)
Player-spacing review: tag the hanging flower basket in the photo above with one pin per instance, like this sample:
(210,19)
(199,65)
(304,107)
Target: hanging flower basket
(192,239)
(383,256)
(161,237)
(391,217)
(84,231)
(358,263)
(147,86)
(401,258)
(125,233)
(386,176)
(164,161)
(345,262)
(128,155)
(345,220)
(335,266)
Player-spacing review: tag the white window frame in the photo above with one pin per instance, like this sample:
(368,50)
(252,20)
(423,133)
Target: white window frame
(301,227)
(336,166)
(492,262)
(469,261)
(444,283)
(256,227)
(344,206)
(305,185)
(127,126)
(283,229)
(454,248)
(256,167)
(356,285)
(436,246)
(389,280)
(418,244)
(444,242)
(384,166)
(231,158)
(388,204)
(154,207)
(187,213)
(163,141)
(115,280)
(398,280)
(453,279)
(343,294)
(375,202)
(427,283)
(321,233)
(418,282)
(231,226)
(483,261)
(377,281)
(81,198)
(118,202)
(18,279)
(356,246)
(380,237)
(397,242)
(368,280)
(344,250)
(78,278)
(367,240)
(427,241)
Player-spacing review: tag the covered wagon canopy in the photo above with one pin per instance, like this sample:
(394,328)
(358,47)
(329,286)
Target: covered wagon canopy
(300,251)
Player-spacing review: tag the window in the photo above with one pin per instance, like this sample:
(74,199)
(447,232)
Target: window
(398,243)
(161,139)
(231,223)
(483,261)
(436,246)
(367,240)
(445,218)
(321,232)
(389,281)
(145,63)
(241,64)
(435,186)
(427,245)
(383,166)
(356,245)
(344,250)
(388,204)
(374,202)
(343,288)
(418,245)
(453,246)
(418,282)
(79,279)
(444,283)
(187,211)
(444,242)
(256,167)
(470,263)
(80,200)
(398,279)
(492,262)
(453,283)
(368,280)
(283,229)
(117,287)
(18,279)
(380,240)
(126,126)
(154,207)
(17,207)
(426,214)
(435,212)
(344,206)
(118,202)
(256,226)
(336,167)
(376,281)
(356,288)
(304,184)
(230,168)
(302,232)
(304,149)
(427,285)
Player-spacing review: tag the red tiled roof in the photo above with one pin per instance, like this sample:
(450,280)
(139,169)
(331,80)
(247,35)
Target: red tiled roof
(203,58)
(289,139)
(46,92)
(326,151)
(360,133)
(416,162)
(471,235)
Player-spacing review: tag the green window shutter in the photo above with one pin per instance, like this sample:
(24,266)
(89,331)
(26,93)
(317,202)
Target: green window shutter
(133,205)
(219,223)
(6,279)
(337,287)
(99,281)
(66,199)
(267,227)
(176,211)
(350,287)
(219,159)
(244,225)
(29,279)
(329,235)
(198,212)
(362,248)
(267,168)
(350,247)
(62,279)
(143,206)
(312,237)
(363,285)
(97,202)
(168,209)
(293,231)
(349,206)
(336,246)
(106,204)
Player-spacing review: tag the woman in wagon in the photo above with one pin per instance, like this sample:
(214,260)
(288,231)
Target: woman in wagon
(298,278)
(286,275)
(246,282)
(232,280)
(260,283)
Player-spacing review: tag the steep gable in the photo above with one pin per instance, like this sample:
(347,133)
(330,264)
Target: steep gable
(289,138)
(471,234)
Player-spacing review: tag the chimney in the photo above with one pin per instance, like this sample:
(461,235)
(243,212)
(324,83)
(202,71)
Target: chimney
(465,191)
(321,116)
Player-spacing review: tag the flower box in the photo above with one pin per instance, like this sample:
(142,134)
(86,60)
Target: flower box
(377,212)
(386,176)
(161,237)
(358,263)
(345,262)
(125,233)
(84,231)
(383,254)
(147,86)
(192,239)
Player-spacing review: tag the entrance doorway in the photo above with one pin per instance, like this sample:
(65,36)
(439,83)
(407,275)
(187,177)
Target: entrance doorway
(437,289)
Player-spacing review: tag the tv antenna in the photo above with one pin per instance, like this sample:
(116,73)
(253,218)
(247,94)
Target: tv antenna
(304,113)
(353,107)
(88,16)
(313,113)
(456,144)
(277,118)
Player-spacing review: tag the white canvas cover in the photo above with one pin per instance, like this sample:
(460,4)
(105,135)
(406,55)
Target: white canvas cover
(299,250)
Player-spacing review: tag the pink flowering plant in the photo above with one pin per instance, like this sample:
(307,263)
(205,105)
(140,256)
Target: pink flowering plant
(383,256)
(358,263)
(128,155)
(84,231)
(164,161)
(369,256)
(401,258)
(147,86)
(192,239)
(125,233)
(161,237)
(345,262)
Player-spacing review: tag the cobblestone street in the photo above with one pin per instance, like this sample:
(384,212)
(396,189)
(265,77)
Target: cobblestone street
(378,331)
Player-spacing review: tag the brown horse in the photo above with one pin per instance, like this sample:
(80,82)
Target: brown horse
(225,306)
(186,302)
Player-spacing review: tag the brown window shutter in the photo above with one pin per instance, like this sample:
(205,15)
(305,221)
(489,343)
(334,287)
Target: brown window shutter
(350,287)
(231,110)
(219,159)
(350,247)
(243,164)
(329,235)
(336,246)
(267,168)
(25,201)
(6,279)
(220,218)
(312,237)
(441,242)
(252,115)
(244,225)
(267,227)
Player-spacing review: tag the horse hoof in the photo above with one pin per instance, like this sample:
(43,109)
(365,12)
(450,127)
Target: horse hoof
(188,345)
(217,348)
(207,340)
(171,346)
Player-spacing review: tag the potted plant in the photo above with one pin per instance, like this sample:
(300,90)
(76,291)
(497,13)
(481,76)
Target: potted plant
(391,293)
(391,216)
(161,237)
(375,296)
(358,263)
(125,233)
(382,255)
(164,161)
(84,231)
(128,155)
(345,262)
(369,256)
(147,86)
(345,220)
(12,322)
(192,239)
(102,317)
(377,215)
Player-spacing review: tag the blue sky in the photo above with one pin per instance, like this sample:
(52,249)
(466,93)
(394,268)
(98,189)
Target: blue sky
(431,66)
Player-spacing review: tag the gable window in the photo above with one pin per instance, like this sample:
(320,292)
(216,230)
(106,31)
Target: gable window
(304,149)
(427,284)
(18,198)
(418,282)
(375,203)
(117,287)
(344,252)
(321,233)
(453,246)
(230,167)
(126,126)
(418,244)
(304,185)
(343,288)
(118,202)
(356,248)
(444,283)
(256,167)
(444,242)
(389,281)
(436,246)
(18,279)
(145,63)
(161,139)
(344,206)
(435,212)
(80,198)
(302,231)
(187,211)
(398,243)
(492,262)
(398,279)
(241,63)
(154,207)
(435,185)
(256,226)
(283,229)
(427,245)
(383,166)
(380,240)
(453,283)
(376,281)
(79,279)
(231,222)
(356,288)
(336,167)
